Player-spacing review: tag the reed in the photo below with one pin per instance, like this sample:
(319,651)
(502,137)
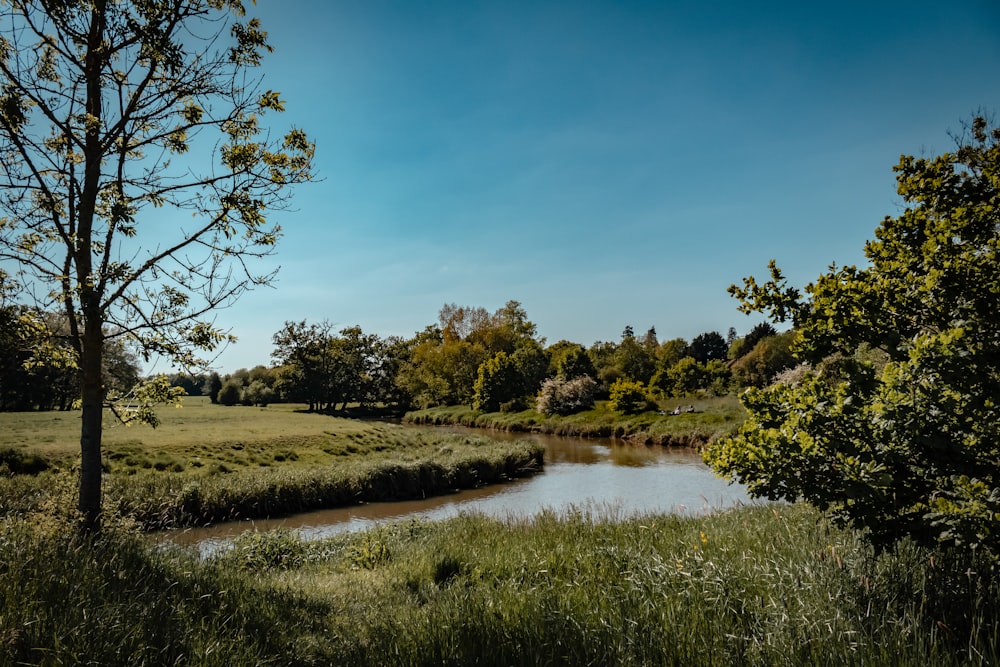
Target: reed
(773,585)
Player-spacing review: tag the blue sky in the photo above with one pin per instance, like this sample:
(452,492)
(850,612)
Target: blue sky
(603,163)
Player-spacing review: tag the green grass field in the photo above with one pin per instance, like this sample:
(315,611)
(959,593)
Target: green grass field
(207,463)
(195,430)
(713,417)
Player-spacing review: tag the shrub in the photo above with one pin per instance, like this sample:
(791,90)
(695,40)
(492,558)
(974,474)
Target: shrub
(559,396)
(258,393)
(628,397)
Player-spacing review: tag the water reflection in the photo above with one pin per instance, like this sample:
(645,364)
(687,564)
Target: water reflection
(578,473)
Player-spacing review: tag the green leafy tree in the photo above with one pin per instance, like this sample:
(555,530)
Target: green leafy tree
(305,352)
(905,442)
(740,346)
(768,357)
(572,361)
(231,393)
(532,362)
(444,369)
(634,360)
(212,386)
(257,393)
(498,381)
(670,352)
(108,111)
(686,376)
(708,346)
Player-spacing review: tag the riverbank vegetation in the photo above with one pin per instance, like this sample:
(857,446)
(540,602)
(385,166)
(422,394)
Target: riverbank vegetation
(209,463)
(713,416)
(753,586)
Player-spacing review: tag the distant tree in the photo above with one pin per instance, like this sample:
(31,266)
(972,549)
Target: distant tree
(769,356)
(708,346)
(212,386)
(602,355)
(684,377)
(634,360)
(445,371)
(391,356)
(532,362)
(670,352)
(759,333)
(257,393)
(190,384)
(574,362)
(498,381)
(305,349)
(650,341)
(231,393)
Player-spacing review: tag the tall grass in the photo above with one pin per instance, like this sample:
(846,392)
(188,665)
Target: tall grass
(713,417)
(754,586)
(168,500)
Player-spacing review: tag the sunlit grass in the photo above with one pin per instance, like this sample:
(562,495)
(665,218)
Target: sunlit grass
(209,463)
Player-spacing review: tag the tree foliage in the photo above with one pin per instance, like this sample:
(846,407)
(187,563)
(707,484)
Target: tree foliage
(708,346)
(444,365)
(497,381)
(895,428)
(768,357)
(108,112)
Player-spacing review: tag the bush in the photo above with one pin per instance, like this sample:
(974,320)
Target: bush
(628,397)
(258,393)
(559,396)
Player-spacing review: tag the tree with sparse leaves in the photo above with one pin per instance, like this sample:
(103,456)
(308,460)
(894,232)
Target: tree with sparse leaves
(111,114)
(894,425)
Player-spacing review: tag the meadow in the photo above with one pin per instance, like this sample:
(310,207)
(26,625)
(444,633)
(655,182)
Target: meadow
(208,463)
(713,416)
(772,585)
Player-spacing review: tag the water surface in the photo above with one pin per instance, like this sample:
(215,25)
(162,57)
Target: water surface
(602,475)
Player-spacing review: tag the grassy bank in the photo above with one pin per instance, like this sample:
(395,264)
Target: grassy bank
(713,417)
(753,586)
(209,463)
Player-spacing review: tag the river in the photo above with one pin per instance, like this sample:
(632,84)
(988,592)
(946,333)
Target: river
(604,476)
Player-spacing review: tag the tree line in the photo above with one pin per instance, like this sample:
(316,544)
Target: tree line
(492,361)
(38,362)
